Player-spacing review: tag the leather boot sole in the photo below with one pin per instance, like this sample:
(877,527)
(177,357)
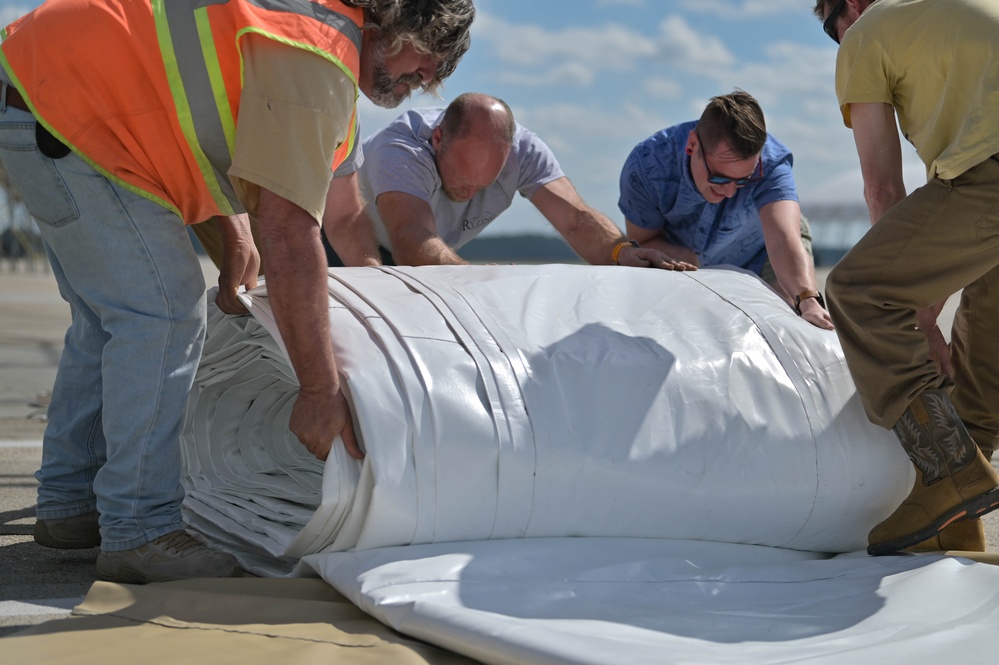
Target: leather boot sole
(966,535)
(976,507)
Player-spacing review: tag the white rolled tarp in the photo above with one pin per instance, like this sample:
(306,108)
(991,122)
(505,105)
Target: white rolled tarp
(594,411)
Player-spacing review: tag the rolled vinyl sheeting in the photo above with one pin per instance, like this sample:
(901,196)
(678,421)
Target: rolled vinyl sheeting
(543,401)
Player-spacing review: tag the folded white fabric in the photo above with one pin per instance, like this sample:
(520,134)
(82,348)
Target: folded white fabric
(542,401)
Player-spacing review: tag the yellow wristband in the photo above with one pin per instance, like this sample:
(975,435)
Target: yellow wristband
(618,247)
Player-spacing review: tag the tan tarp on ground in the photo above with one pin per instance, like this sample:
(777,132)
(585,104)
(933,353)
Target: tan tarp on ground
(246,621)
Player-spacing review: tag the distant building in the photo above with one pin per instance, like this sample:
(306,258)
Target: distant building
(835,229)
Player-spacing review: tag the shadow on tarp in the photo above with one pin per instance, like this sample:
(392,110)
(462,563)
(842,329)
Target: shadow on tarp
(600,600)
(724,593)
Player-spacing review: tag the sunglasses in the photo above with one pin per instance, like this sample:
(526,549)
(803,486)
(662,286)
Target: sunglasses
(829,24)
(725,180)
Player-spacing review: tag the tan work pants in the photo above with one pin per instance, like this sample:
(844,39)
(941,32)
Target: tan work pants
(941,238)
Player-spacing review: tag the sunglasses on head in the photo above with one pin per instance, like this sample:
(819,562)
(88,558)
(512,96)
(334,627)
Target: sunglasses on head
(725,180)
(829,25)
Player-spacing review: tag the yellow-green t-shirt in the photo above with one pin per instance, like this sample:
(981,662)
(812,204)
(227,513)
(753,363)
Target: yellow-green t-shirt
(937,63)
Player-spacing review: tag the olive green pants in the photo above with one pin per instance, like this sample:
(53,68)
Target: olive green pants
(942,238)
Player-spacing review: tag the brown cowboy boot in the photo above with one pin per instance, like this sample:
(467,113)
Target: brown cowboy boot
(954,481)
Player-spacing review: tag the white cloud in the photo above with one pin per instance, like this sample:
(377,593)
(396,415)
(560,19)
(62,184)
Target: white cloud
(788,73)
(734,10)
(792,68)
(662,88)
(573,128)
(683,46)
(619,3)
(565,73)
(607,47)
(9,12)
(530,55)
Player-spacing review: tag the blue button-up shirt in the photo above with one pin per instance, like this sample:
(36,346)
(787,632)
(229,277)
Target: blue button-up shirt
(658,192)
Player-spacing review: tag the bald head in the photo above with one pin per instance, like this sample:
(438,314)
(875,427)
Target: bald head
(472,143)
(474,114)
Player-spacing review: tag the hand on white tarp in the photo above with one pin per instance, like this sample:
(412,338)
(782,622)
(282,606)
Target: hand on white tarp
(318,419)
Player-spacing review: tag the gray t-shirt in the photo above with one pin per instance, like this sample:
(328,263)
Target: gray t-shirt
(400,158)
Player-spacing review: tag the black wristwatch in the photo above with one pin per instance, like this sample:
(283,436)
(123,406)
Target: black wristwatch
(805,295)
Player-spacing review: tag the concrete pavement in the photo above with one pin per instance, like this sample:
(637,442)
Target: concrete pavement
(36,583)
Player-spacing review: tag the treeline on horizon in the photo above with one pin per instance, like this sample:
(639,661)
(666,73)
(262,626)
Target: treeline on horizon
(541,248)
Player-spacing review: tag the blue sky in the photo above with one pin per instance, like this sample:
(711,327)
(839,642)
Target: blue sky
(594,77)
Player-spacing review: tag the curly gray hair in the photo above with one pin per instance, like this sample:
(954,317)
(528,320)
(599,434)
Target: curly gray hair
(438,27)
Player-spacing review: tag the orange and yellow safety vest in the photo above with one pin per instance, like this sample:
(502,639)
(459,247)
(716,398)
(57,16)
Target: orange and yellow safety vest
(148,91)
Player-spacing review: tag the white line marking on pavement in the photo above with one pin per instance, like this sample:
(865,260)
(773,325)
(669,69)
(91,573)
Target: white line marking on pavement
(27,443)
(38,607)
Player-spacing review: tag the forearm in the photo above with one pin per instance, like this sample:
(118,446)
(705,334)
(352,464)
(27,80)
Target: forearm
(239,263)
(592,236)
(296,285)
(425,251)
(411,227)
(353,240)
(235,230)
(881,195)
(589,232)
(794,268)
(795,272)
(879,149)
(347,225)
(927,318)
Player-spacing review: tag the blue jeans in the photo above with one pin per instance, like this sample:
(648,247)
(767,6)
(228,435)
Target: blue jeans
(136,290)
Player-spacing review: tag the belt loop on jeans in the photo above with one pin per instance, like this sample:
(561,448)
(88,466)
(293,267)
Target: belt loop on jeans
(9,96)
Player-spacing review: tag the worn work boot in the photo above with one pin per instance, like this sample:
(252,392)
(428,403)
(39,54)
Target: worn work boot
(954,481)
(961,536)
(175,556)
(71,533)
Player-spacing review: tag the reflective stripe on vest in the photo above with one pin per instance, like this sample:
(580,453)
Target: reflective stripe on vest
(196,81)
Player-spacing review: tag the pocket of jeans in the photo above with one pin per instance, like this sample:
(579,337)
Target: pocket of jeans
(34,176)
